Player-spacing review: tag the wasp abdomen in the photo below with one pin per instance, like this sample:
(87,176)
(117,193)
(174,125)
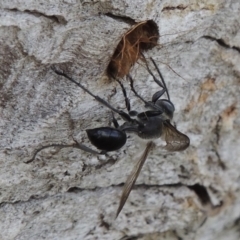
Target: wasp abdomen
(107,138)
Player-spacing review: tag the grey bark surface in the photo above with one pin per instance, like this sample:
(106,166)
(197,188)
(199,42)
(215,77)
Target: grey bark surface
(70,194)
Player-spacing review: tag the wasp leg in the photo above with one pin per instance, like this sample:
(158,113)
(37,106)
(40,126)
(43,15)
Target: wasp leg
(132,113)
(115,122)
(127,101)
(123,114)
(148,104)
(163,84)
(134,91)
(76,145)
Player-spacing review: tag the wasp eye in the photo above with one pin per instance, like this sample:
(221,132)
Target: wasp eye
(166,106)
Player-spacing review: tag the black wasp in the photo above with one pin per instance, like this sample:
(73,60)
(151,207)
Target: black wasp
(151,124)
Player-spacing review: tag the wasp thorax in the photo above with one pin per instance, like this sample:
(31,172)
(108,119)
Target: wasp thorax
(153,128)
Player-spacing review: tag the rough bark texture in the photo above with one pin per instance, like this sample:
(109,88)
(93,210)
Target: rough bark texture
(69,194)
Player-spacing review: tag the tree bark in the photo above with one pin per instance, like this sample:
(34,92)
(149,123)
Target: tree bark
(66,193)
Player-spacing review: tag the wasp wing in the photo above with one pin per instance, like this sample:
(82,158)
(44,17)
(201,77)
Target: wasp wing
(133,177)
(176,141)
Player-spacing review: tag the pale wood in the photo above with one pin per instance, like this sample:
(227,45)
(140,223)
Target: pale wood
(70,194)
